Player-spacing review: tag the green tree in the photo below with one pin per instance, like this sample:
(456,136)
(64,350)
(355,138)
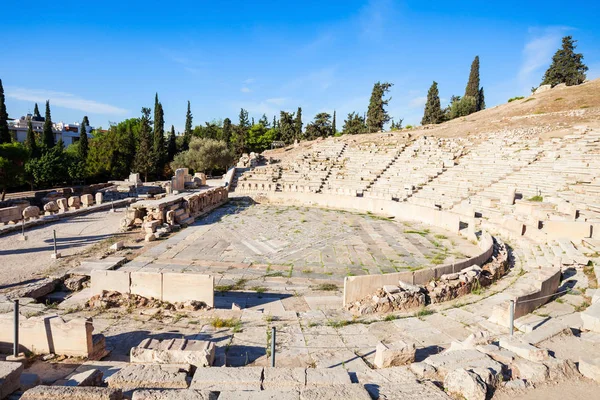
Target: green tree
(264,121)
(159,151)
(287,127)
(333,127)
(227,131)
(204,155)
(83,140)
(433,110)
(460,107)
(36,111)
(240,133)
(567,66)
(144,163)
(4,132)
(298,125)
(320,127)
(473,91)
(48,133)
(481,100)
(377,115)
(30,141)
(187,132)
(172,144)
(12,161)
(354,124)
(260,138)
(50,169)
(112,152)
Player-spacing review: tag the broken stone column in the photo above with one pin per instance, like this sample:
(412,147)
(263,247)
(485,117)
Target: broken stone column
(134,179)
(51,207)
(31,212)
(74,203)
(87,200)
(509,197)
(394,354)
(198,353)
(99,198)
(63,205)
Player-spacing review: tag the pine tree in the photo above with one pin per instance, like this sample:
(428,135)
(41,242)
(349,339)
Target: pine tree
(158,147)
(48,133)
(333,128)
(227,130)
(143,158)
(4,132)
(187,132)
(252,122)
(298,124)
(433,110)
(83,140)
(30,141)
(354,124)
(472,88)
(264,121)
(36,111)
(172,145)
(567,66)
(287,127)
(481,100)
(274,122)
(377,116)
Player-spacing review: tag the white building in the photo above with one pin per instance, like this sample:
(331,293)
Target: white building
(69,133)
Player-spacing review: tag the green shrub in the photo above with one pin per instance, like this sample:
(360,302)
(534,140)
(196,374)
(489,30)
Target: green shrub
(515,98)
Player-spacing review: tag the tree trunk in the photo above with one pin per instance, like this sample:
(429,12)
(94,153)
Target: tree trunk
(3,194)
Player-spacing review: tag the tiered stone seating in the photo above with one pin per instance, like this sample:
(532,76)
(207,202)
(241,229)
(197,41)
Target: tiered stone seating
(259,179)
(482,166)
(419,163)
(359,167)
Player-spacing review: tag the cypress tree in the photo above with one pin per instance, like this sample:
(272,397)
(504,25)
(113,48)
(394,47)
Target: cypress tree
(472,88)
(333,128)
(227,130)
(433,110)
(567,66)
(143,162)
(481,100)
(47,133)
(158,147)
(187,132)
(298,124)
(252,122)
(83,139)
(377,115)
(30,142)
(4,132)
(172,146)
(36,111)
(264,121)
(274,122)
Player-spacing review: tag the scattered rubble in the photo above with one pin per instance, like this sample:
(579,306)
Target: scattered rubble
(113,299)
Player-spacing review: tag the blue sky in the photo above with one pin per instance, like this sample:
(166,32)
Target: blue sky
(106,59)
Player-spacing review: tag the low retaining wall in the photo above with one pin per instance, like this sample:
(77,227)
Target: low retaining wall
(546,285)
(173,287)
(49,334)
(358,287)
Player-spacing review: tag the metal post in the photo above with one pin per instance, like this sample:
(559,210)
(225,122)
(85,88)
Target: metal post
(273,333)
(54,233)
(512,317)
(23,227)
(16,343)
(112,205)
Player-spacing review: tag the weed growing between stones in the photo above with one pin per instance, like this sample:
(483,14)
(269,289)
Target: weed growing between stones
(218,322)
(328,287)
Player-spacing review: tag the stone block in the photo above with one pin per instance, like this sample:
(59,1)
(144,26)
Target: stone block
(146,284)
(74,202)
(591,318)
(467,359)
(335,391)
(63,204)
(87,200)
(118,281)
(150,237)
(413,391)
(466,384)
(394,354)
(178,287)
(51,206)
(150,376)
(524,350)
(326,376)
(72,393)
(173,394)
(260,395)
(284,378)
(99,198)
(198,353)
(590,368)
(225,379)
(92,377)
(10,377)
(31,212)
(151,226)
(29,381)
(531,372)
(117,246)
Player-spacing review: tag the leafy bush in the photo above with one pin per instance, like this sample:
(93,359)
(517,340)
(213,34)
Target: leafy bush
(515,98)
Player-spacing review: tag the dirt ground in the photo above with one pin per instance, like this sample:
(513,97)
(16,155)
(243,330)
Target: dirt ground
(579,389)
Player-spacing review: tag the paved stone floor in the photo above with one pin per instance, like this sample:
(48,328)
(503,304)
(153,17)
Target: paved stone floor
(308,241)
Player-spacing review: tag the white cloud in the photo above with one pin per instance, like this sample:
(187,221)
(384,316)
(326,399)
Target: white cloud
(418,102)
(537,54)
(278,101)
(66,100)
(249,81)
(245,89)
